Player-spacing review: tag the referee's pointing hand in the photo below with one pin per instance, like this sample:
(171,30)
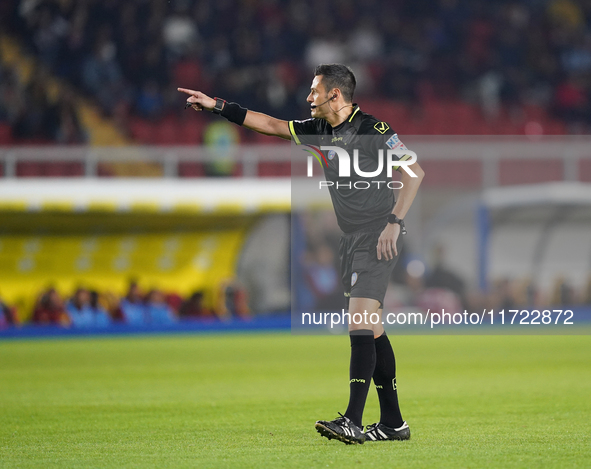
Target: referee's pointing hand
(198,100)
(387,241)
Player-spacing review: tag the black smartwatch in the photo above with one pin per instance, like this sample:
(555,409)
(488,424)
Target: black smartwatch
(219,105)
(394,219)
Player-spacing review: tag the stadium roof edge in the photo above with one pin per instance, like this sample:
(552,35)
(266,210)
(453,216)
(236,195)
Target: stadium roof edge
(152,195)
(551,193)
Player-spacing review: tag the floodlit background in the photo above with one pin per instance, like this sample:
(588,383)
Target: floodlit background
(154,237)
(117,200)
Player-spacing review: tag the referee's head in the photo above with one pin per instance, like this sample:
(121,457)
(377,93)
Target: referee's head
(337,76)
(333,83)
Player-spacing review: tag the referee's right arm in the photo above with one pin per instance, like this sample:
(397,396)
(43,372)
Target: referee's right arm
(257,121)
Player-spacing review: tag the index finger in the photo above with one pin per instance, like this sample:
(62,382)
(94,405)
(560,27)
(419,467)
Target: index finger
(185,90)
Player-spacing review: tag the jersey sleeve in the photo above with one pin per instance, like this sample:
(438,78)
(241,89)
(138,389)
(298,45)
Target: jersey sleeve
(384,138)
(305,131)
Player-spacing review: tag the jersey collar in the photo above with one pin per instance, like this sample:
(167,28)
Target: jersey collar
(355,110)
(349,119)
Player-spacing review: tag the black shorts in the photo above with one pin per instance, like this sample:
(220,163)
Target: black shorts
(362,274)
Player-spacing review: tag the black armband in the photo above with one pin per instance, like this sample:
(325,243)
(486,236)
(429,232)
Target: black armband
(234,113)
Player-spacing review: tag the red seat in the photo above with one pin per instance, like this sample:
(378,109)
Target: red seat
(506,127)
(264,139)
(554,127)
(585,170)
(166,132)
(5,134)
(535,113)
(191,170)
(28,169)
(275,169)
(74,169)
(55,169)
(190,132)
(142,131)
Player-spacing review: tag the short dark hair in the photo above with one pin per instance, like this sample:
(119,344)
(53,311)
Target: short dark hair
(337,76)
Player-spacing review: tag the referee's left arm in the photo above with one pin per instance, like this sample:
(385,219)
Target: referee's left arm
(410,185)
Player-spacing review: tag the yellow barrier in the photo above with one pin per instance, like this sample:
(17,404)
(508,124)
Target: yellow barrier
(175,262)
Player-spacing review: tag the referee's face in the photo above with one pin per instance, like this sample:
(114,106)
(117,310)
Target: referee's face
(318,95)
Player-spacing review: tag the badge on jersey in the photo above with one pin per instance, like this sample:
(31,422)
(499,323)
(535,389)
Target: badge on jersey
(394,143)
(331,154)
(381,127)
(354,278)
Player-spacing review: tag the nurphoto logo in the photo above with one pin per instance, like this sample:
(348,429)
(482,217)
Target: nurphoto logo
(391,160)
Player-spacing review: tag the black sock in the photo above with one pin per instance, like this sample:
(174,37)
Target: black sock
(384,377)
(363,362)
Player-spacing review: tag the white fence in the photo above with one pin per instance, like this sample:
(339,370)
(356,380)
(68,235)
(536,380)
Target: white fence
(490,152)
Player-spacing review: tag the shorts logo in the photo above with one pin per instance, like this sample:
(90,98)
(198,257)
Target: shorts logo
(381,127)
(354,278)
(331,154)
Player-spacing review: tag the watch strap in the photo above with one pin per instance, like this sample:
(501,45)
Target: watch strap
(394,219)
(219,105)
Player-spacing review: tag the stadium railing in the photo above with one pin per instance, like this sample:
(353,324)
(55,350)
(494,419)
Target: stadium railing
(470,161)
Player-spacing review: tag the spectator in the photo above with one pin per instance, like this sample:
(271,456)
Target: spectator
(323,279)
(8,315)
(102,76)
(193,307)
(233,300)
(503,295)
(150,101)
(50,309)
(505,52)
(175,301)
(85,311)
(132,306)
(69,130)
(79,310)
(587,292)
(158,312)
(100,317)
(572,101)
(563,294)
(442,277)
(179,30)
(37,118)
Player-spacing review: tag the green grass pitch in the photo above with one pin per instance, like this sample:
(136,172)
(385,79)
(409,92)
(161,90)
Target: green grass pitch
(251,400)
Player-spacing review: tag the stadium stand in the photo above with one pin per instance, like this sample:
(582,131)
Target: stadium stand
(453,67)
(82,75)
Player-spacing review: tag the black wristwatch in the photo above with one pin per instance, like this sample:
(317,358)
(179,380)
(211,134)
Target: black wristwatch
(394,219)
(219,105)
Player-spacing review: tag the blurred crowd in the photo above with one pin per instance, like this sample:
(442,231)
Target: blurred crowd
(89,309)
(427,287)
(36,117)
(130,56)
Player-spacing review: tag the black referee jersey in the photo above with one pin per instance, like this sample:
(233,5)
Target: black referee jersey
(358,201)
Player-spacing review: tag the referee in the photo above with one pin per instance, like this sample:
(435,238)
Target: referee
(371,220)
